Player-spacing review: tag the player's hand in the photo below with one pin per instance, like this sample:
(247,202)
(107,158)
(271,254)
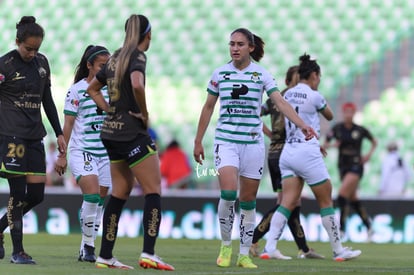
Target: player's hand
(198,153)
(61,144)
(141,117)
(309,132)
(61,165)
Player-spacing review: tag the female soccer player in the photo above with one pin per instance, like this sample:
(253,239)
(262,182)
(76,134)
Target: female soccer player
(24,88)
(239,151)
(278,136)
(348,138)
(131,150)
(302,161)
(89,161)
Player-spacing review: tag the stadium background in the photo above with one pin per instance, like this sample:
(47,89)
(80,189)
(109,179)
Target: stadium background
(363,47)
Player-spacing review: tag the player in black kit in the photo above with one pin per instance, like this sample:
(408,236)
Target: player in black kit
(132,153)
(24,88)
(349,137)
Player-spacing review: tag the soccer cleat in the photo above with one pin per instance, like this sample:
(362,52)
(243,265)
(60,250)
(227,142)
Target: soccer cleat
(275,254)
(311,254)
(346,254)
(111,263)
(1,246)
(87,254)
(224,258)
(245,262)
(21,258)
(153,261)
(254,250)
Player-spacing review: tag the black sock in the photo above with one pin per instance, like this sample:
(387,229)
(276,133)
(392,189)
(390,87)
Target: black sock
(34,196)
(297,230)
(263,227)
(110,226)
(344,211)
(362,212)
(15,211)
(151,221)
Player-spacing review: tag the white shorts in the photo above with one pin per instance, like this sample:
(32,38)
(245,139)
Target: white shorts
(83,164)
(247,158)
(303,160)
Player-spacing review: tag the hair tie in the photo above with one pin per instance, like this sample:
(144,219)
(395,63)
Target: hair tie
(147,29)
(95,54)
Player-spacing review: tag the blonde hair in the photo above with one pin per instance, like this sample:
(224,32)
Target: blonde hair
(132,38)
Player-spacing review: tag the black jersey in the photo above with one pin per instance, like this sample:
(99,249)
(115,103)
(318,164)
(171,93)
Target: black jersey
(350,142)
(119,125)
(278,126)
(24,86)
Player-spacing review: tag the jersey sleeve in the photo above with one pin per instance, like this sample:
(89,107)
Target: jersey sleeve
(367,133)
(319,102)
(138,63)
(213,84)
(269,83)
(71,102)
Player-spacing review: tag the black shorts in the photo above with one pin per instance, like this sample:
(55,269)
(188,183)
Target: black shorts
(132,152)
(353,168)
(274,170)
(22,157)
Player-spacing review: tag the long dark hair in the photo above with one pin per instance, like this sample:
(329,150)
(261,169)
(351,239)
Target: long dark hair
(255,41)
(27,27)
(89,55)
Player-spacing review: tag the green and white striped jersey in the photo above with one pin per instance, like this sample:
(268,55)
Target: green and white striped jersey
(89,119)
(240,95)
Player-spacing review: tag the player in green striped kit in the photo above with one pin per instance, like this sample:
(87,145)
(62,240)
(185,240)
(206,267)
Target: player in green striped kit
(88,158)
(239,149)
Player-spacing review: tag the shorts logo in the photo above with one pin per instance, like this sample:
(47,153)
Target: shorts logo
(134,151)
(87,167)
(217,160)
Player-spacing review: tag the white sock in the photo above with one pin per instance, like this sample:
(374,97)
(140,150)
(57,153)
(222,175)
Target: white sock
(87,221)
(247,225)
(226,219)
(277,224)
(98,219)
(331,226)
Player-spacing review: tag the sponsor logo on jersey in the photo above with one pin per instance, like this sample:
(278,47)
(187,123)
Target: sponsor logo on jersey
(212,82)
(18,77)
(74,102)
(2,78)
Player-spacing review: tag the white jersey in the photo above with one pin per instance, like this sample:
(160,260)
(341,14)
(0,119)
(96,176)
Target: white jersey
(307,103)
(395,175)
(89,119)
(240,95)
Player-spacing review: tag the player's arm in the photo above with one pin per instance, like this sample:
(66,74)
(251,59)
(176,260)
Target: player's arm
(138,86)
(94,91)
(205,117)
(267,131)
(285,108)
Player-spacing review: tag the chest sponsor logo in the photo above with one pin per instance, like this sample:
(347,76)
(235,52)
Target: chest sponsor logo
(18,77)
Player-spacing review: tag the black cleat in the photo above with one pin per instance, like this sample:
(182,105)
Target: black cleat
(21,258)
(88,254)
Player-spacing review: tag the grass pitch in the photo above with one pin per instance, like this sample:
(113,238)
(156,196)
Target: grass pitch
(57,255)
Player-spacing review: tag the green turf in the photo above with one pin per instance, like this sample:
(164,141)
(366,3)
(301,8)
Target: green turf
(57,255)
